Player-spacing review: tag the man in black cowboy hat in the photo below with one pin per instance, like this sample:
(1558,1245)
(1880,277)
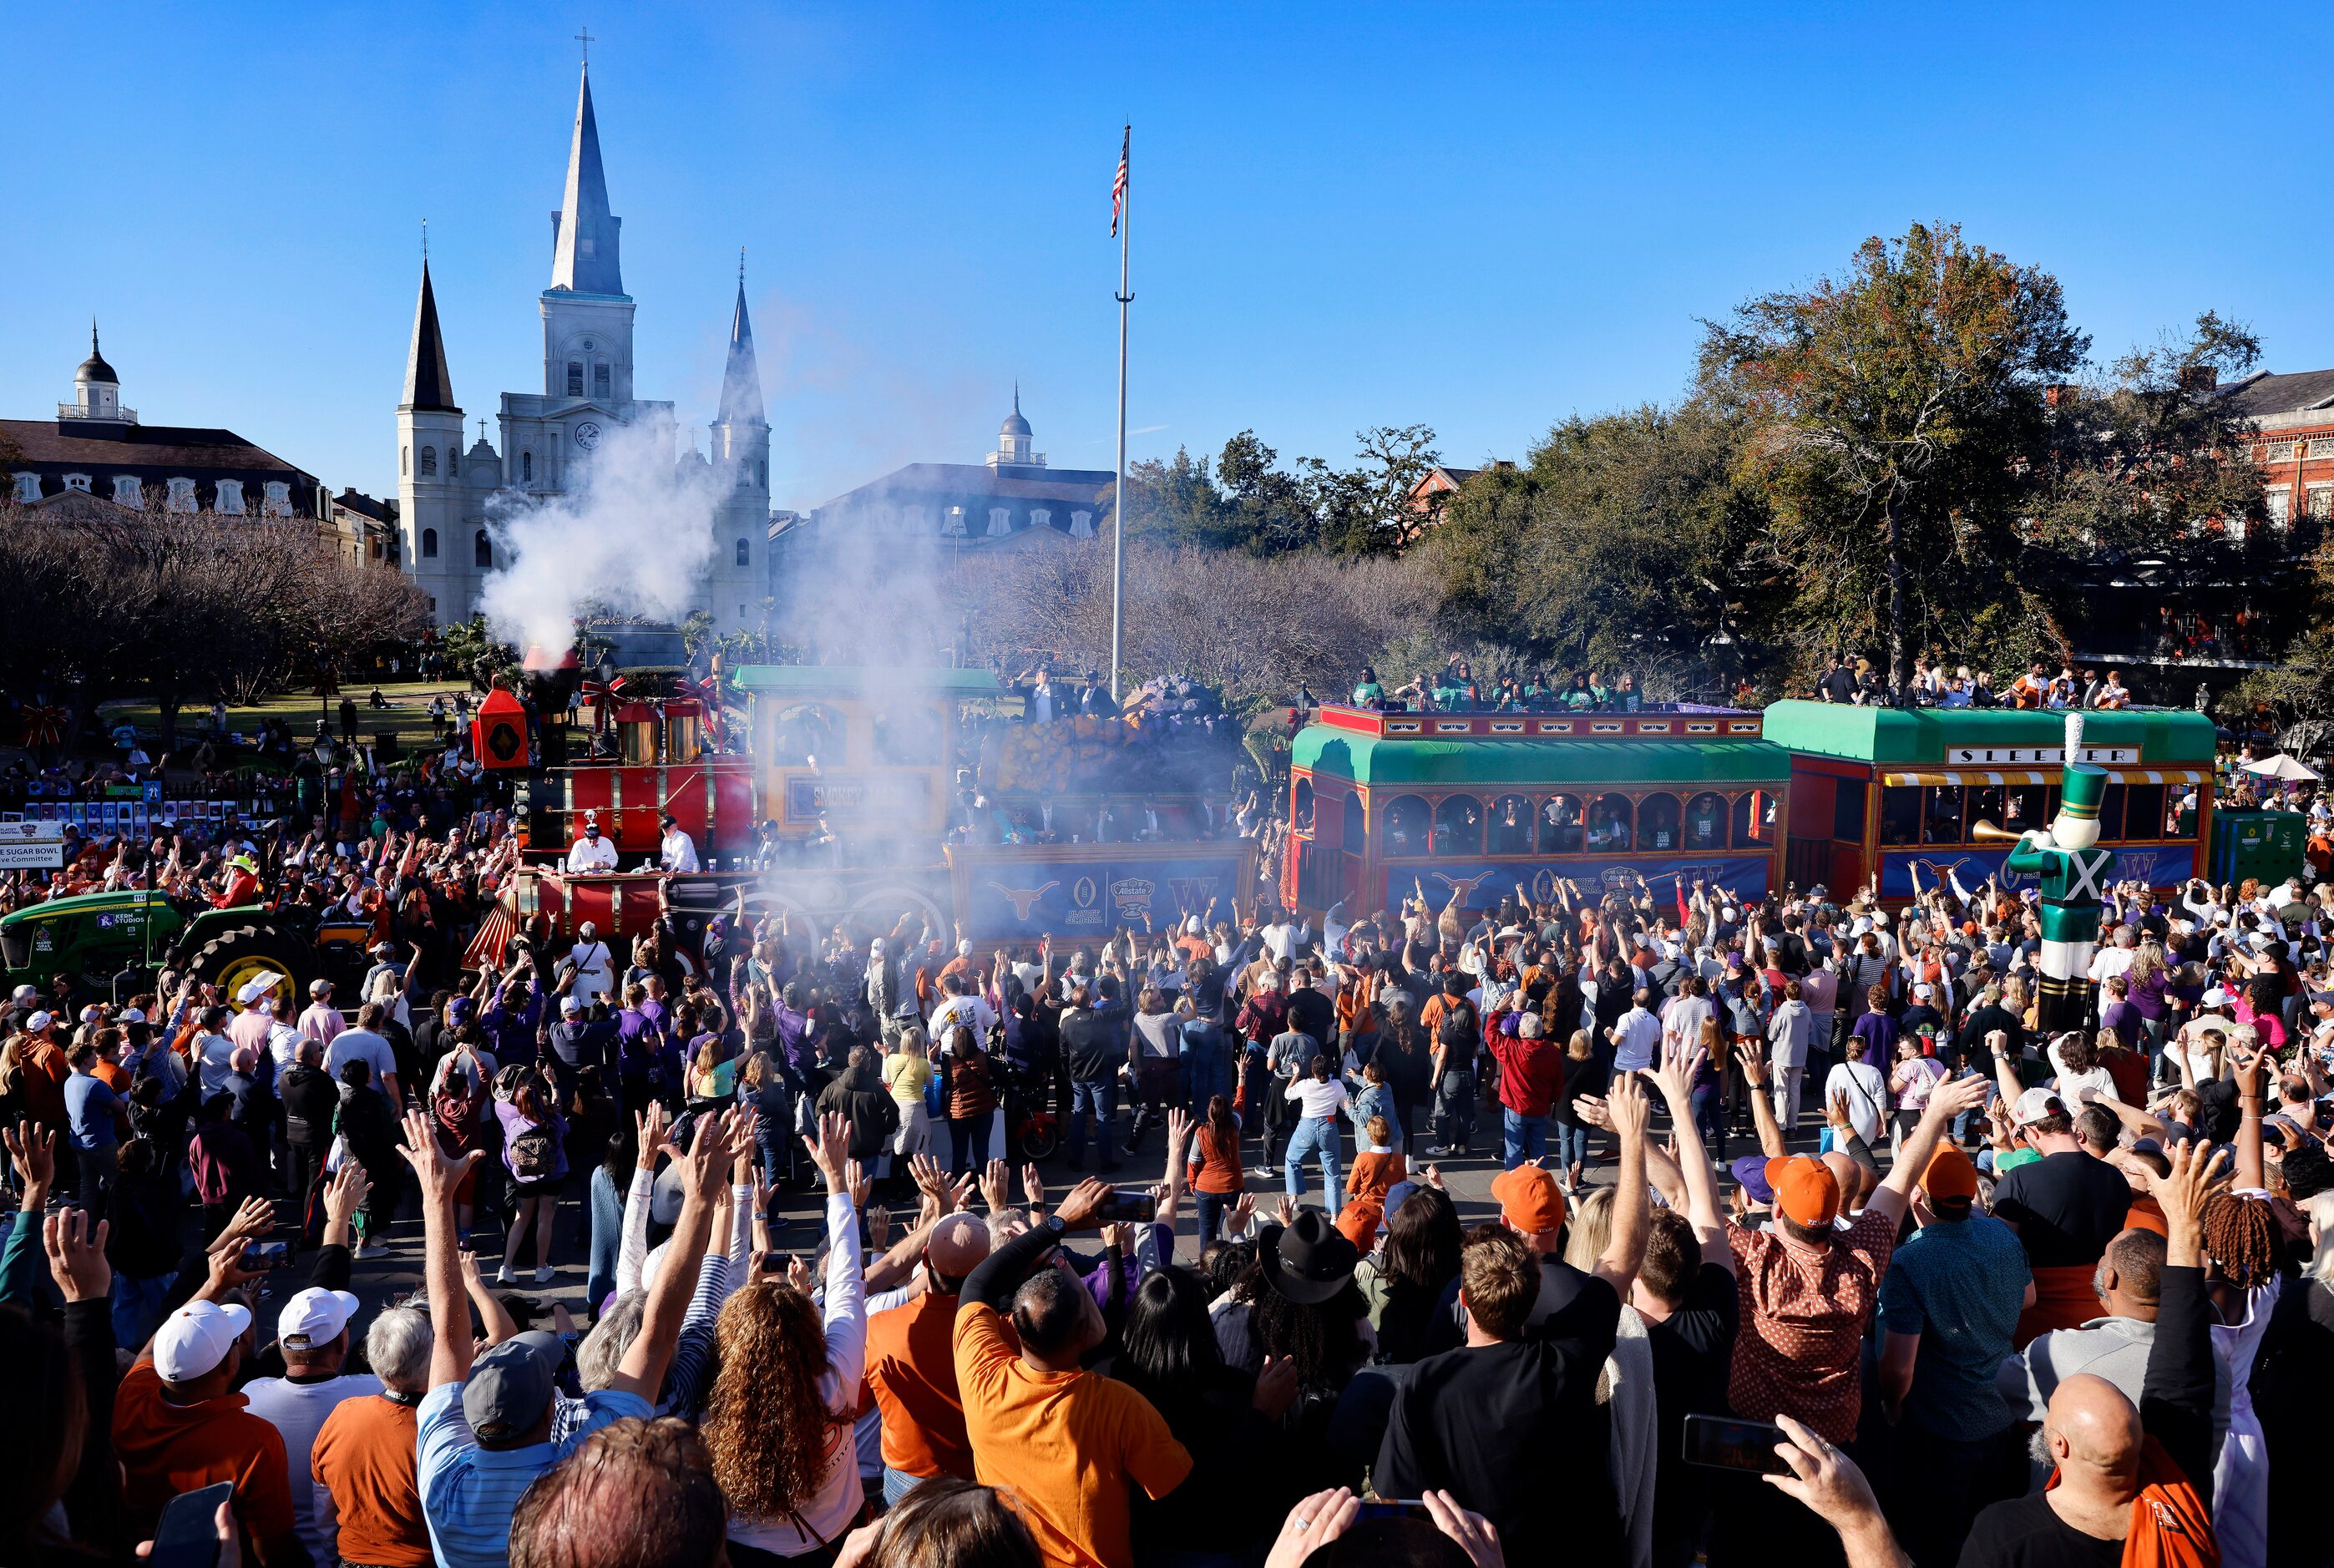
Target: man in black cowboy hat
(1492,1421)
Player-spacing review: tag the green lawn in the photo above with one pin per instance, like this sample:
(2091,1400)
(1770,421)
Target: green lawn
(408,713)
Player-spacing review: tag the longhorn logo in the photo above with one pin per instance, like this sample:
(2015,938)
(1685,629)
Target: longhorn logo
(1464,887)
(1024,900)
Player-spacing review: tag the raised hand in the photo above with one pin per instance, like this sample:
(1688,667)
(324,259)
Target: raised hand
(996,1186)
(879,1227)
(651,1127)
(1681,1065)
(76,1252)
(1630,1110)
(33,1154)
(1033,1189)
(798,1273)
(1081,1208)
(856,1178)
(346,1193)
(438,1175)
(1754,1066)
(831,1148)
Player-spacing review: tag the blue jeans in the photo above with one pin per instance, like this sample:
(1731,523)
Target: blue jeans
(1211,1212)
(1313,1135)
(1101,1097)
(1526,1136)
(1210,1075)
(1571,1145)
(138,1306)
(898,1484)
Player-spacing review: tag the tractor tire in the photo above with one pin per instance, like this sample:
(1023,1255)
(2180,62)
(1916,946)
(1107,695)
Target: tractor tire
(231,959)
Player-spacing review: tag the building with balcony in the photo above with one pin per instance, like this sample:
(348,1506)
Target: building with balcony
(96,453)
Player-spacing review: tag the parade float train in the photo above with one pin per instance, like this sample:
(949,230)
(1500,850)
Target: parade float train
(856,777)
(1389,806)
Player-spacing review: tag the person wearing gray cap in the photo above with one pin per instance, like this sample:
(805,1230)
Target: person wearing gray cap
(484,1429)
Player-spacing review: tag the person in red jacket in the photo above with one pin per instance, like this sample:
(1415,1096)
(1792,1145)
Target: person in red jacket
(1531,1076)
(242,885)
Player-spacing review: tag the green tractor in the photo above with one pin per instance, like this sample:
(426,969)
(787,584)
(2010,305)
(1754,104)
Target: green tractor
(96,936)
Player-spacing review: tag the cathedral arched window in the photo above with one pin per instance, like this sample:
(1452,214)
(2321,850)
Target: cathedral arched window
(574,377)
(429,462)
(600,380)
(526,467)
(430,544)
(763,469)
(453,461)
(482,552)
(745,553)
(405,459)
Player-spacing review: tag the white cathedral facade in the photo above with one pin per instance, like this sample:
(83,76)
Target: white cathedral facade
(445,491)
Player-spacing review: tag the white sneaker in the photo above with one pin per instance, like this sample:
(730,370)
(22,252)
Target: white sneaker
(1265,1170)
(543,1276)
(502,1276)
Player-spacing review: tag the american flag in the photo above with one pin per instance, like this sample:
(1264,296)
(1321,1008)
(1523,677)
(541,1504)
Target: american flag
(1118,186)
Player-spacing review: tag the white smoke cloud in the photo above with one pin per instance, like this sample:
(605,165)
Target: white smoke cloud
(633,533)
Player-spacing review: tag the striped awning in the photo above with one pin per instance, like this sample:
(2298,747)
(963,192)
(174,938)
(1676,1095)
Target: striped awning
(1968,777)
(2123,776)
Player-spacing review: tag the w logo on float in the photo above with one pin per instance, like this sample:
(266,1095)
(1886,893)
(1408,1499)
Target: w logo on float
(1191,893)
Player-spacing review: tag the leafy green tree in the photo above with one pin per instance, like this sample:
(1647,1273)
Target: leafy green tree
(2150,476)
(1364,510)
(1619,544)
(1892,415)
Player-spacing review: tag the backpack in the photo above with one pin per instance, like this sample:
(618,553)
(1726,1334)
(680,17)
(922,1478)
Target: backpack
(533,1154)
(456,1112)
(1456,1030)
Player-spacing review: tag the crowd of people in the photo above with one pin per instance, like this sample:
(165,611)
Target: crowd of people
(1836,1256)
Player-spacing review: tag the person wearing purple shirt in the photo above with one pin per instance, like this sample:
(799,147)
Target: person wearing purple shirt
(510,1019)
(1875,1036)
(795,1045)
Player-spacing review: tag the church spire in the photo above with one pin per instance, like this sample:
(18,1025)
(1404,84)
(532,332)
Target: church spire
(583,234)
(741,381)
(427,384)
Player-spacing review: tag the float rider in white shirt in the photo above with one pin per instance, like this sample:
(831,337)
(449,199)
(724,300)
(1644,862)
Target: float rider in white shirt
(594,851)
(676,851)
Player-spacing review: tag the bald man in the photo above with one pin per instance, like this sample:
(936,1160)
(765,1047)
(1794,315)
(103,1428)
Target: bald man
(912,1363)
(2109,1453)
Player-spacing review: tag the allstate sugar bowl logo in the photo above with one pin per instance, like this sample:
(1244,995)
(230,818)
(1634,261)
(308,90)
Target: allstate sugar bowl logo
(1130,895)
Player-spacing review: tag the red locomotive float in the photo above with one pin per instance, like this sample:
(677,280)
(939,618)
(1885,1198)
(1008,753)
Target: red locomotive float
(836,813)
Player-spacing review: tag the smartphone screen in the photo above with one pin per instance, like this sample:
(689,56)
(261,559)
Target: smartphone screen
(266,1254)
(1128,1204)
(187,1536)
(1727,1444)
(1392,1508)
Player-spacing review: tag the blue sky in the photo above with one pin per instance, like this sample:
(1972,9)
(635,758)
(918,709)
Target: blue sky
(1477,217)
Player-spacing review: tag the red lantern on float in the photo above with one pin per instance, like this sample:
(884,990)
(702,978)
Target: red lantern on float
(498,734)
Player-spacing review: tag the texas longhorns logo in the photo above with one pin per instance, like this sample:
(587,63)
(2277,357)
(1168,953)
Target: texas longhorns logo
(1025,899)
(1462,886)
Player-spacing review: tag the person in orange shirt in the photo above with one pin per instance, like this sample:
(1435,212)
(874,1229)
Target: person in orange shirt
(178,1426)
(911,1365)
(1375,1171)
(1061,1443)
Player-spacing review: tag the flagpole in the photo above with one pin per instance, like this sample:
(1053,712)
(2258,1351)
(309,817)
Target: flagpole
(1118,494)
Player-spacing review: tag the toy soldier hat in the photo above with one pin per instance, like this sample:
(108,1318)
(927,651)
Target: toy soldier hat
(2082,786)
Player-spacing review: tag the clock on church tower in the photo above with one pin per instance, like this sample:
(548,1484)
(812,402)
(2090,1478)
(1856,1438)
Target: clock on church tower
(587,434)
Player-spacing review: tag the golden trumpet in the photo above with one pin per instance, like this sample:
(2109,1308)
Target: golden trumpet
(1980,832)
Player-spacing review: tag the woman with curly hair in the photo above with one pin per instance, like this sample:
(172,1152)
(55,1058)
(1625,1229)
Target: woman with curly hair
(778,1421)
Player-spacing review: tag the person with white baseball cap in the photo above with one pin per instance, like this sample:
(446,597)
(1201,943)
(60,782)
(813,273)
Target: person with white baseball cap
(313,1333)
(179,1424)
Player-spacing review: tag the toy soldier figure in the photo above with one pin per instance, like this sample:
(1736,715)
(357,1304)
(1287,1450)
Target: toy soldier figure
(2075,875)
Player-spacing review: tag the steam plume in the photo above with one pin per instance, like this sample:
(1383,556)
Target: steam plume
(634,534)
